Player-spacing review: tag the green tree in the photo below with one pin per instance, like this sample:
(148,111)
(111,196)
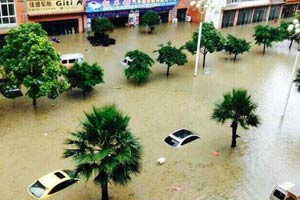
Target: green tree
(265,35)
(29,58)
(102,25)
(236,46)
(211,41)
(150,19)
(170,55)
(105,149)
(285,34)
(139,69)
(238,107)
(84,76)
(297,80)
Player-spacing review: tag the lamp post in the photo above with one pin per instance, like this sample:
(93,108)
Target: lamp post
(201,5)
(294,29)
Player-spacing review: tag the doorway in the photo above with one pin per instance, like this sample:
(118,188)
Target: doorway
(60,27)
(181,14)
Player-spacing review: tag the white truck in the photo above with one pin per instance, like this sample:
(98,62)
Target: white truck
(286,191)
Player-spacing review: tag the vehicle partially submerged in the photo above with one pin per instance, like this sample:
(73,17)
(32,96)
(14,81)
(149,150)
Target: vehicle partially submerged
(52,183)
(286,191)
(181,137)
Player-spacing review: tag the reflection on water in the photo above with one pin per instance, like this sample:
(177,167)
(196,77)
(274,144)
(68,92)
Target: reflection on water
(31,142)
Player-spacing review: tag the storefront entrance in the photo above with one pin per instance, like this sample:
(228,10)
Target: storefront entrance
(244,16)
(119,21)
(228,18)
(60,27)
(181,14)
(164,16)
(259,14)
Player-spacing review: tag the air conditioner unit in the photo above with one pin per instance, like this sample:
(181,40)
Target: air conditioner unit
(188,18)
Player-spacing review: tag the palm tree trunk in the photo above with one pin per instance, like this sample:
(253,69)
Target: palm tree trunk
(34,102)
(104,191)
(168,70)
(234,126)
(234,57)
(264,49)
(83,93)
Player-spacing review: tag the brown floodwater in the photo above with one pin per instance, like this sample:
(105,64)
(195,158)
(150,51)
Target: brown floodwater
(31,141)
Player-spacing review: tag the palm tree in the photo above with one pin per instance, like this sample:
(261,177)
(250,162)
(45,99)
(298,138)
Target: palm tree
(104,148)
(237,106)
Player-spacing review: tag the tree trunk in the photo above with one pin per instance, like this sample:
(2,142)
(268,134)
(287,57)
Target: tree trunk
(34,102)
(234,59)
(84,93)
(104,189)
(234,126)
(291,44)
(204,58)
(264,49)
(168,70)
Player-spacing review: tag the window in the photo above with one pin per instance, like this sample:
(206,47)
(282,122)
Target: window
(62,186)
(7,13)
(279,194)
(190,139)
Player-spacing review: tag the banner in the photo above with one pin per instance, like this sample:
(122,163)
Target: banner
(93,6)
(44,7)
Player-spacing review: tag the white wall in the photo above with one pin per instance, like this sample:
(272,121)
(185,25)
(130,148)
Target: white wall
(214,11)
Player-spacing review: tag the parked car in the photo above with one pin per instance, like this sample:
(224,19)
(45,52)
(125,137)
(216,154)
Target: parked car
(286,191)
(181,137)
(52,183)
(68,60)
(94,6)
(126,62)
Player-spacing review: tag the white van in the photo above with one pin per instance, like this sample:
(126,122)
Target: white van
(286,191)
(69,59)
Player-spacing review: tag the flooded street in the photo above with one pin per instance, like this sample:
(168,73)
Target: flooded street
(31,141)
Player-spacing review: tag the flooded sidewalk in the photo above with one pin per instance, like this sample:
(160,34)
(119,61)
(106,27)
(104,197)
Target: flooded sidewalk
(31,141)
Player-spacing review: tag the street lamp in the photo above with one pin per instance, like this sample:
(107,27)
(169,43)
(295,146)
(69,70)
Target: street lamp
(201,5)
(293,29)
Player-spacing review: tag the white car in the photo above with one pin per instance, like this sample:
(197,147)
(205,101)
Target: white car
(93,5)
(181,137)
(126,62)
(286,191)
(51,183)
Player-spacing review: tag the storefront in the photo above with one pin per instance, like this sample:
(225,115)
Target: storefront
(127,12)
(57,16)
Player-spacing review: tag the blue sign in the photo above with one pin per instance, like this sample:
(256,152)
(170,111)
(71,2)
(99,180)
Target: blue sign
(93,6)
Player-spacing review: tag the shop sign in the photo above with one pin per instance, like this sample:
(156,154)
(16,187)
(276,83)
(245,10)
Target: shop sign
(93,6)
(44,7)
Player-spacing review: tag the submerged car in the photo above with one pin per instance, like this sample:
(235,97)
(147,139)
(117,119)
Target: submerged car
(52,183)
(286,191)
(181,137)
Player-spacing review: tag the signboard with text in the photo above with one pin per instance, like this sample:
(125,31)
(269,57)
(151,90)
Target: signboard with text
(93,6)
(44,7)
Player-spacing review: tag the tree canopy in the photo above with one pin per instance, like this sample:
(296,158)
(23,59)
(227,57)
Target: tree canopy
(238,107)
(170,55)
(105,148)
(139,69)
(236,46)
(29,58)
(102,25)
(265,35)
(150,19)
(84,76)
(211,41)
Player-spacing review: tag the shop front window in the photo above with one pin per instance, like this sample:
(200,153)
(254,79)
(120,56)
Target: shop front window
(7,13)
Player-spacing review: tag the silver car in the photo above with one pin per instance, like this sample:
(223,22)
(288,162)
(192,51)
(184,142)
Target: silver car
(181,137)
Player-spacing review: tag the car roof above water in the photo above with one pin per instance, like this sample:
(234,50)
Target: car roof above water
(183,133)
(71,56)
(53,178)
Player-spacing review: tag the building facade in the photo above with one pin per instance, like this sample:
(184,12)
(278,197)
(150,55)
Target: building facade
(226,13)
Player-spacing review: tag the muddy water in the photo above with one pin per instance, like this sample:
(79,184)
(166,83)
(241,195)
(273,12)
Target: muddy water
(31,141)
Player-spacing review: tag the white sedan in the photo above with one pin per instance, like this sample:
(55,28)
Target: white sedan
(181,137)
(51,183)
